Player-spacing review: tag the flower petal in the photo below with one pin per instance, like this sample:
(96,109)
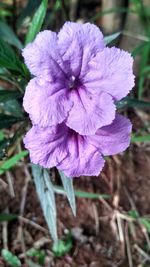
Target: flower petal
(61,147)
(78,43)
(90,112)
(47,103)
(47,146)
(110,71)
(83,159)
(42,56)
(114,138)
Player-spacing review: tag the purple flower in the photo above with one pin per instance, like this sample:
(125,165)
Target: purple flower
(77,80)
(76,154)
(71,99)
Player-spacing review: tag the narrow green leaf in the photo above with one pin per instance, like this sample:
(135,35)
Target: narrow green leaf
(37,21)
(7,120)
(10,258)
(7,217)
(6,95)
(8,35)
(108,39)
(2,136)
(145,70)
(69,189)
(144,138)
(46,196)
(79,193)
(144,221)
(143,63)
(134,214)
(8,164)
(132,103)
(82,194)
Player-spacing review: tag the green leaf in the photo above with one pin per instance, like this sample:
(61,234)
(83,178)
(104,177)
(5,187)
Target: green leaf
(143,63)
(7,120)
(7,217)
(62,246)
(10,258)
(6,95)
(9,36)
(8,58)
(144,221)
(39,254)
(132,103)
(37,21)
(46,196)
(8,164)
(83,194)
(143,138)
(108,39)
(69,189)
(145,70)
(1,136)
(134,214)
(5,13)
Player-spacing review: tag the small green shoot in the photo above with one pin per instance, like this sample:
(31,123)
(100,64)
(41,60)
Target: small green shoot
(38,254)
(10,258)
(8,164)
(62,247)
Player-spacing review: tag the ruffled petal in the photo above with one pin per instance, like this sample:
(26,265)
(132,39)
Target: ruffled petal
(90,112)
(83,159)
(61,147)
(47,103)
(114,138)
(47,146)
(110,71)
(78,43)
(42,57)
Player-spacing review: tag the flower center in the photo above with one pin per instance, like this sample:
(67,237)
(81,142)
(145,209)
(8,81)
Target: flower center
(74,83)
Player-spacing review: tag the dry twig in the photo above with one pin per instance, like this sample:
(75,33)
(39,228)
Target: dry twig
(129,254)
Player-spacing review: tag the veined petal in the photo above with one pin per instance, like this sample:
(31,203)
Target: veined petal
(42,56)
(78,43)
(47,103)
(61,147)
(47,146)
(113,138)
(83,159)
(110,71)
(90,112)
